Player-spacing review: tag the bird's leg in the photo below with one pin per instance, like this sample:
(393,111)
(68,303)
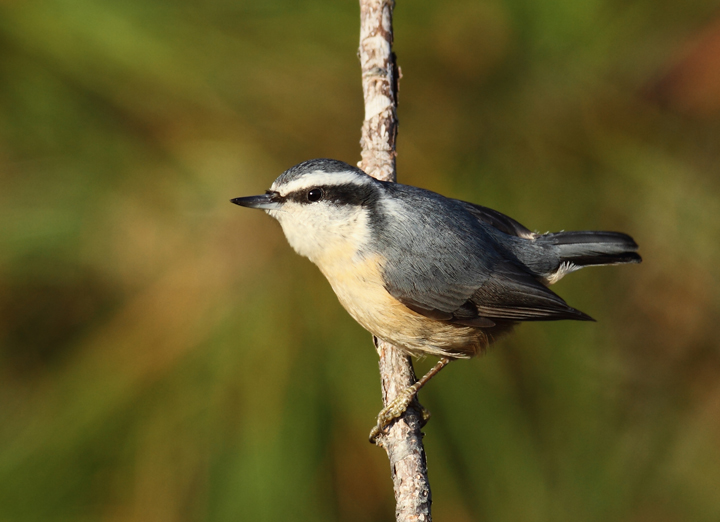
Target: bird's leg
(398,406)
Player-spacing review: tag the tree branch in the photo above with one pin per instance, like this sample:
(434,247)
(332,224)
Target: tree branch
(380,76)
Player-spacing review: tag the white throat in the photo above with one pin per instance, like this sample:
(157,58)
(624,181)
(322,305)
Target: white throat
(327,234)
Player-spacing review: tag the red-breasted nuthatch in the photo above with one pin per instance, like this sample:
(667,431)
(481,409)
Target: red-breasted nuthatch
(428,274)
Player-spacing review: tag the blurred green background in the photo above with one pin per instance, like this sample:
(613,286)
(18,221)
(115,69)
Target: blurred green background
(165,356)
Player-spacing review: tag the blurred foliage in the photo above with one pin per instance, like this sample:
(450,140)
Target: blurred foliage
(165,356)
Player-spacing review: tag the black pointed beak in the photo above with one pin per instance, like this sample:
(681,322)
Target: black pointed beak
(269,201)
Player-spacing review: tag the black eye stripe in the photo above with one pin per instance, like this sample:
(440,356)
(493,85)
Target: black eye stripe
(348,194)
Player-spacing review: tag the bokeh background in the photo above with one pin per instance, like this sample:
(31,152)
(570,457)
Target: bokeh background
(165,356)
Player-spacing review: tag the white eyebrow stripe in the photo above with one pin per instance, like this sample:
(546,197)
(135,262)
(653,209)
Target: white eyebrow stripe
(320,178)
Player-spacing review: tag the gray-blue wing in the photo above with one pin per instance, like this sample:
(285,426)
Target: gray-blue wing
(445,264)
(506,294)
(497,219)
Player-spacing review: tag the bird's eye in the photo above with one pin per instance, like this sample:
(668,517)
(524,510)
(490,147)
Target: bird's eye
(314,195)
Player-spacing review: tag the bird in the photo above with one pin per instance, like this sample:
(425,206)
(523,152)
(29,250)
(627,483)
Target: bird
(428,274)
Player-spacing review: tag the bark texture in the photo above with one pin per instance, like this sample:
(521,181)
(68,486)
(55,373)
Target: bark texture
(380,75)
(380,82)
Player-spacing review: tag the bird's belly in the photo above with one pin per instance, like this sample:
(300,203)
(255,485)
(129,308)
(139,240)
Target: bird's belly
(361,290)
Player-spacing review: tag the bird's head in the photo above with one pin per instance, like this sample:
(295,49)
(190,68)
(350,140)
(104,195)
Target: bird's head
(324,206)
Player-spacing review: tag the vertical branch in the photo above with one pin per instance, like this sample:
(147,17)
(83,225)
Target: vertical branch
(380,75)
(380,83)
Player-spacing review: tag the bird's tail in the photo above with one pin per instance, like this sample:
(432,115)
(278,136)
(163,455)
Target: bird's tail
(589,248)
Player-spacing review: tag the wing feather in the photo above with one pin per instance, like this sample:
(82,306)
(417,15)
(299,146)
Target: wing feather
(497,219)
(476,284)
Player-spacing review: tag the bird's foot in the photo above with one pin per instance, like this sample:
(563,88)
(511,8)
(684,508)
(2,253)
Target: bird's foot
(396,409)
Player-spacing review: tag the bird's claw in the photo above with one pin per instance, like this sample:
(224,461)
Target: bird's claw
(395,410)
